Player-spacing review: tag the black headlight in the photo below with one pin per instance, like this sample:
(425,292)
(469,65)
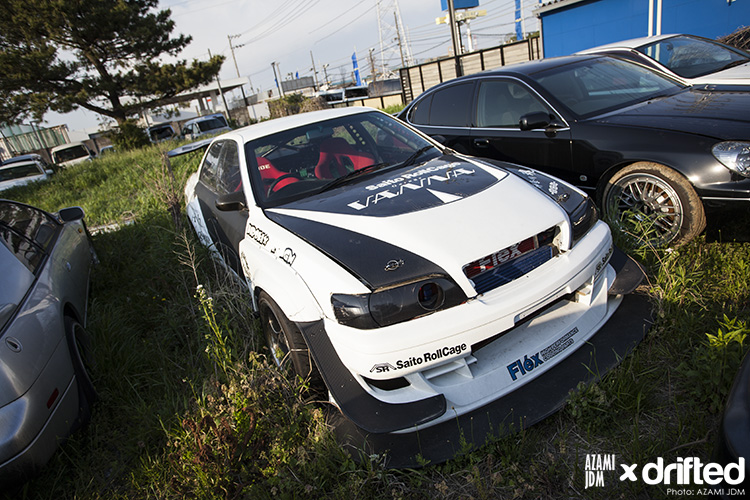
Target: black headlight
(583,218)
(396,304)
(580,207)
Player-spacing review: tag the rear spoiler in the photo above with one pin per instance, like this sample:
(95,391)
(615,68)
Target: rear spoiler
(189,148)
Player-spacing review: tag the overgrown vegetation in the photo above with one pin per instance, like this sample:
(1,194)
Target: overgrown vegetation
(191,408)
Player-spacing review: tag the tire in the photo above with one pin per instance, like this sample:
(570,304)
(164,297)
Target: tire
(660,197)
(79,347)
(286,346)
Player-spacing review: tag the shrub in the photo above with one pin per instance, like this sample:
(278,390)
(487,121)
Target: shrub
(130,136)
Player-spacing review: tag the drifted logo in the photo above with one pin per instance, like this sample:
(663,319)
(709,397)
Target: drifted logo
(413,182)
(686,471)
(690,471)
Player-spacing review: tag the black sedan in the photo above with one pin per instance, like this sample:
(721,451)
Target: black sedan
(655,151)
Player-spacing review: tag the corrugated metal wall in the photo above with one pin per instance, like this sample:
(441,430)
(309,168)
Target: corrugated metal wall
(587,24)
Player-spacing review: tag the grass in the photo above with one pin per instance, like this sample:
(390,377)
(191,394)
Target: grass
(191,408)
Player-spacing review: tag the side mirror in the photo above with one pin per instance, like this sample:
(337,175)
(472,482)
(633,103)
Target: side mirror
(71,214)
(231,202)
(535,120)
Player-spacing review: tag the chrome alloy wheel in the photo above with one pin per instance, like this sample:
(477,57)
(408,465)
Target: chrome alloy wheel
(651,200)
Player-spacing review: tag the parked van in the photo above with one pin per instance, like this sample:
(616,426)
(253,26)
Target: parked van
(71,154)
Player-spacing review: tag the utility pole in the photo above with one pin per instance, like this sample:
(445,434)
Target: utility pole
(278,83)
(373,72)
(325,72)
(398,38)
(237,68)
(315,71)
(221,92)
(454,37)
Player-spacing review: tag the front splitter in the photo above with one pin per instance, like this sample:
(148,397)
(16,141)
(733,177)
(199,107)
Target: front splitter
(520,409)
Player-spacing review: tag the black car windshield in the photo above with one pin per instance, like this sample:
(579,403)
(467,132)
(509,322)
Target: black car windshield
(306,160)
(691,57)
(595,86)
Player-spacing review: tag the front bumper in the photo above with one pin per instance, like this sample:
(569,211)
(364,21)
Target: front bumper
(594,336)
(518,410)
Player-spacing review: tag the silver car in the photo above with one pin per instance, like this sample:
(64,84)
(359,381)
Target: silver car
(45,392)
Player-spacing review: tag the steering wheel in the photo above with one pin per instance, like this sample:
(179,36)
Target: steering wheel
(273,185)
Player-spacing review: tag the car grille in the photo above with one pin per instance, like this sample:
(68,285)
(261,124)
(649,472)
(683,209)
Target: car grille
(508,264)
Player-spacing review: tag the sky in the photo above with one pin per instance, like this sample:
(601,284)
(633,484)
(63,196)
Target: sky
(293,33)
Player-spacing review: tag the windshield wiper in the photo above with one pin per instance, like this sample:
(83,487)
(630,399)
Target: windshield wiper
(413,158)
(371,168)
(338,181)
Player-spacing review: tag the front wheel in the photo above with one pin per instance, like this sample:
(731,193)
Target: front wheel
(654,202)
(288,348)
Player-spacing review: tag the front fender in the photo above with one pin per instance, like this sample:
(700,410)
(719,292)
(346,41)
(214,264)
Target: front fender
(270,272)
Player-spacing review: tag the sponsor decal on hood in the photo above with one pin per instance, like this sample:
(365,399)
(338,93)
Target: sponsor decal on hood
(410,189)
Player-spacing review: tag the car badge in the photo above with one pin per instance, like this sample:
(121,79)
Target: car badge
(394,264)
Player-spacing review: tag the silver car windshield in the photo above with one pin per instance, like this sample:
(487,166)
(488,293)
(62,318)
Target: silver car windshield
(693,57)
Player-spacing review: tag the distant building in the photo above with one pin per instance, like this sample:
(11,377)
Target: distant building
(568,26)
(20,139)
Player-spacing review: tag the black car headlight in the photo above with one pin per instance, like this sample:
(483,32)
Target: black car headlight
(578,205)
(735,155)
(396,304)
(583,218)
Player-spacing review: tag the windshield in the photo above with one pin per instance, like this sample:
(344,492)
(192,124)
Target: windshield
(160,132)
(71,153)
(596,86)
(19,172)
(693,57)
(211,124)
(304,161)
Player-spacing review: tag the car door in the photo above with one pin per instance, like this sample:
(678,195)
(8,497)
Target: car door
(220,175)
(500,104)
(446,115)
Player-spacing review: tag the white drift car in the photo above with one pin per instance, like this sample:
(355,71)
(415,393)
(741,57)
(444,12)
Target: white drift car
(439,297)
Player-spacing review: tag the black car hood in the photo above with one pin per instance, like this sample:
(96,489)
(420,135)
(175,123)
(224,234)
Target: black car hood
(718,114)
(426,185)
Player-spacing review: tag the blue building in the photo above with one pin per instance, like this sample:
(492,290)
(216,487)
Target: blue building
(568,26)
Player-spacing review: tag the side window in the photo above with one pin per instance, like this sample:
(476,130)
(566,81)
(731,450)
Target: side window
(451,105)
(502,103)
(228,172)
(210,165)
(421,112)
(27,233)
